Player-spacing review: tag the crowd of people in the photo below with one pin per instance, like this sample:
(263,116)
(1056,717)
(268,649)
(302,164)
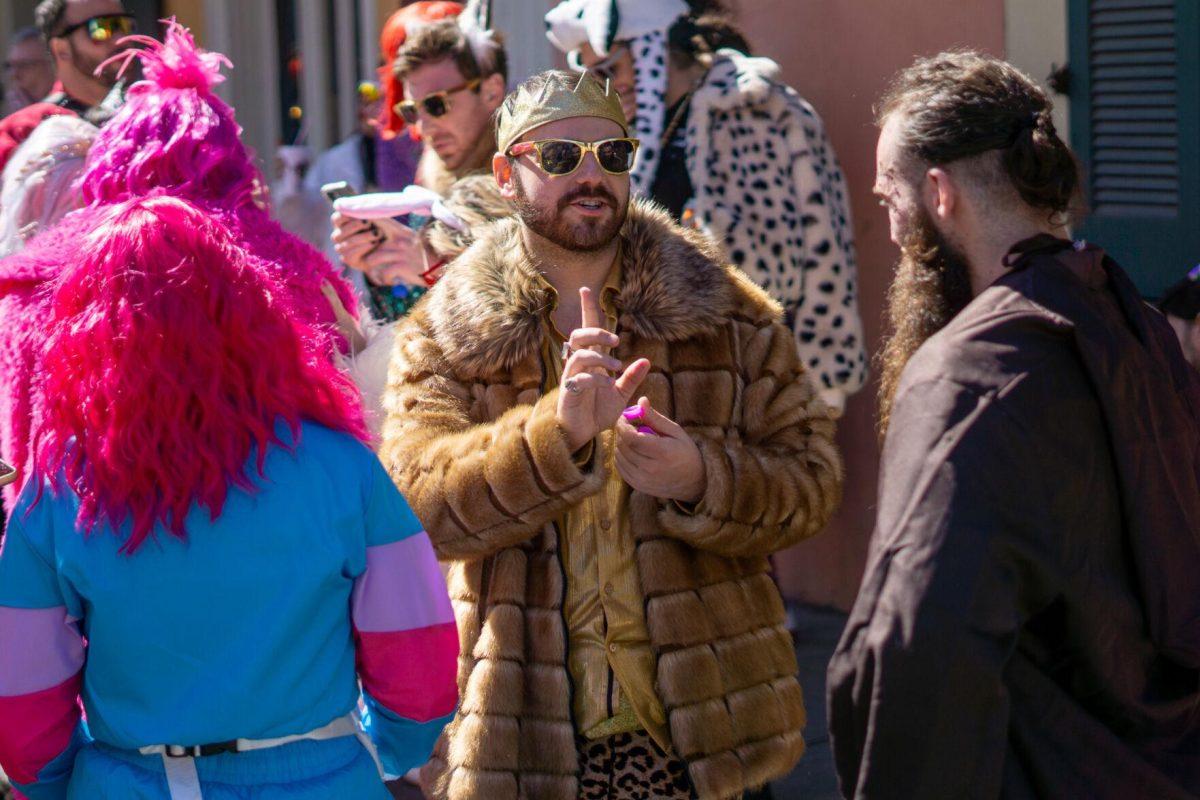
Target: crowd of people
(478,486)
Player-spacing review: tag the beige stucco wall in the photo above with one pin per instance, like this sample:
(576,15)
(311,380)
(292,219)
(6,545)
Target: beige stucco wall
(1035,38)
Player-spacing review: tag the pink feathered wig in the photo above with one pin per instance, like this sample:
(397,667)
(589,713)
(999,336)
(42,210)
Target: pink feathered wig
(170,363)
(172,132)
(174,136)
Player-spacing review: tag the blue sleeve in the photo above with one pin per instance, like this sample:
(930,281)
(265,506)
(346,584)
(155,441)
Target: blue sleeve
(402,744)
(42,655)
(387,516)
(406,641)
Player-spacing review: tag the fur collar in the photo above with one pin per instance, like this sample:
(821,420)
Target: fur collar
(486,312)
(736,81)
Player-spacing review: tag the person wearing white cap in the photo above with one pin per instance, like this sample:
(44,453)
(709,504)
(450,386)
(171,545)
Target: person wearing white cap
(730,149)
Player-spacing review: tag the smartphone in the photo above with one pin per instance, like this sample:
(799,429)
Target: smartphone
(333,191)
(7,473)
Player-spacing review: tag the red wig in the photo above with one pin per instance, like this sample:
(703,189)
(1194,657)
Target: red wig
(169,362)
(391,39)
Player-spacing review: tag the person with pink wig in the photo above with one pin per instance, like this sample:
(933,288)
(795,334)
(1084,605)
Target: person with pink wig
(210,587)
(175,137)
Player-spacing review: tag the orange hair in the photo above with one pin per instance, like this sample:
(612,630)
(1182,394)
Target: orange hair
(391,39)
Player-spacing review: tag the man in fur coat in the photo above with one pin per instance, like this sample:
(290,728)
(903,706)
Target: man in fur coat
(620,634)
(732,150)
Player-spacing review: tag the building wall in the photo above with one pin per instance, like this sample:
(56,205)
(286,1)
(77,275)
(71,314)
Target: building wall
(840,55)
(1035,39)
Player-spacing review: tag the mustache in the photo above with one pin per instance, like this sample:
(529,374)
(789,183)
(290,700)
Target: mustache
(588,193)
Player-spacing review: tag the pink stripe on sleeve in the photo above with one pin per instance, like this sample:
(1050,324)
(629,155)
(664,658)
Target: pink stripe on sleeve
(402,588)
(35,728)
(412,673)
(39,648)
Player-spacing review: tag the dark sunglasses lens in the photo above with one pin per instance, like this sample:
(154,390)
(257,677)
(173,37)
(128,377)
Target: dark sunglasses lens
(616,156)
(435,106)
(559,158)
(408,112)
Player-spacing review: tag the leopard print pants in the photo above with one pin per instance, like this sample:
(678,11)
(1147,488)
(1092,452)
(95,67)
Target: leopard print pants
(630,766)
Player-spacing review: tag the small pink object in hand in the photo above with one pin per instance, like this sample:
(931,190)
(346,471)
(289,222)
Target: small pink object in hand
(633,414)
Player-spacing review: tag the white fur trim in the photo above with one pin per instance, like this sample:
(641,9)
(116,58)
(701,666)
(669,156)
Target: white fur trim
(573,22)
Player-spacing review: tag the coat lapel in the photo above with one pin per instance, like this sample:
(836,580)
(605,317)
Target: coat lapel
(486,313)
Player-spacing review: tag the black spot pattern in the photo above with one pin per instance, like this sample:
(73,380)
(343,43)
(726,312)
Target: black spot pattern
(769,186)
(650,76)
(630,766)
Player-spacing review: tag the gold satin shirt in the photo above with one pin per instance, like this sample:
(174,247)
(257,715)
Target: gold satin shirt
(609,654)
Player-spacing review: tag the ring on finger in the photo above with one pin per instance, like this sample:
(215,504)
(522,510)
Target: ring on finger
(571,386)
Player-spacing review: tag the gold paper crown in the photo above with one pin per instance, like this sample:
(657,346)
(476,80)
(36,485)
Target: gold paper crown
(556,95)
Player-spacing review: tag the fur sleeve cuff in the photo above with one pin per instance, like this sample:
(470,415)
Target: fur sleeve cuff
(695,522)
(557,467)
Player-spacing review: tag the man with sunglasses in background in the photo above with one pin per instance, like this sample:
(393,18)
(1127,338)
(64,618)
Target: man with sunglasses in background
(454,75)
(80,35)
(605,430)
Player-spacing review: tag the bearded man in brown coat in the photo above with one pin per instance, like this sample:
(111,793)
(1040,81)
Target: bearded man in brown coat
(1029,622)
(621,636)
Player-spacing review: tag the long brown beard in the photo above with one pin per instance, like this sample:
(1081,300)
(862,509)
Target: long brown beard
(932,285)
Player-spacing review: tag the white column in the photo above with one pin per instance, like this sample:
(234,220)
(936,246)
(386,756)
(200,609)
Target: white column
(246,32)
(345,56)
(369,27)
(523,25)
(316,74)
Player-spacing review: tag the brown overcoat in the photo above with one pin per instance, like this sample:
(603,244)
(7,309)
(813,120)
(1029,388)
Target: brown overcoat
(472,441)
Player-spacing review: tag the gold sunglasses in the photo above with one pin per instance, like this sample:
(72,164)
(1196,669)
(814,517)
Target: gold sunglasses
(561,157)
(435,104)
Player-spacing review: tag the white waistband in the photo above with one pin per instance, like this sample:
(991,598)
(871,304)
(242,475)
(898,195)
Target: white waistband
(342,726)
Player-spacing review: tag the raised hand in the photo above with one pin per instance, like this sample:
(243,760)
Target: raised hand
(592,399)
(663,462)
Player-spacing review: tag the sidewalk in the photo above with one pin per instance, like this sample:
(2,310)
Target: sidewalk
(817,634)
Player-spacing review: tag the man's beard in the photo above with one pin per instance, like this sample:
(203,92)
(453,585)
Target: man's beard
(932,285)
(586,236)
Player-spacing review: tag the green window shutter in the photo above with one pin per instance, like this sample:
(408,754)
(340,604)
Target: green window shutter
(1135,120)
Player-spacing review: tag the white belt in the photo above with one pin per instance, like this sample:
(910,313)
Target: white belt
(179,761)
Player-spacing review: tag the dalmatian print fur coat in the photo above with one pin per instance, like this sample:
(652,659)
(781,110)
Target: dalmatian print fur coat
(768,185)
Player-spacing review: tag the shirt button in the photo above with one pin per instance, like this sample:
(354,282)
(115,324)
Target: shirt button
(605,524)
(608,588)
(612,648)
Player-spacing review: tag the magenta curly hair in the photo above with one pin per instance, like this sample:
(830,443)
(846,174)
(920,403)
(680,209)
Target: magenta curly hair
(169,363)
(172,134)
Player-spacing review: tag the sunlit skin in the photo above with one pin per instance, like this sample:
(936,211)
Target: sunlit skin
(667,463)
(983,223)
(30,70)
(76,56)
(461,135)
(589,211)
(388,252)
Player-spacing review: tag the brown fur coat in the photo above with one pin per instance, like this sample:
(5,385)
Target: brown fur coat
(472,442)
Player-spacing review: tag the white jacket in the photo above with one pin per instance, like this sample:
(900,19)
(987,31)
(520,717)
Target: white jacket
(767,184)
